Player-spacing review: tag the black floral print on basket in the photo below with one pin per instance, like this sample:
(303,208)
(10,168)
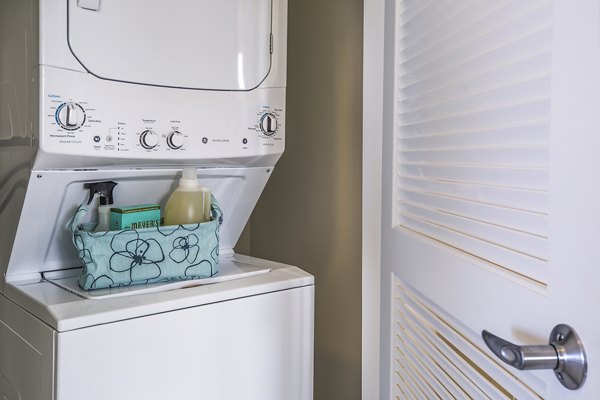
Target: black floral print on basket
(185,248)
(136,256)
(83,252)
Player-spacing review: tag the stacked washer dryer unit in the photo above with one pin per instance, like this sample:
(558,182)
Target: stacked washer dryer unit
(132,91)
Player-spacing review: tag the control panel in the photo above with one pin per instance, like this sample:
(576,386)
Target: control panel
(71,126)
(179,125)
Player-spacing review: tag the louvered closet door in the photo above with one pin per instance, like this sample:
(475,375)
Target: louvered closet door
(491,193)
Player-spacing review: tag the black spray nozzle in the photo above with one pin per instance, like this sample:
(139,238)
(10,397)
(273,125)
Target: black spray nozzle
(104,189)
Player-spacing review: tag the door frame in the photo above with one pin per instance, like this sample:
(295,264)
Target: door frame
(373,73)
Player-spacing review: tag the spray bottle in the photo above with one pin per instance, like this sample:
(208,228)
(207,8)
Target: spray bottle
(189,203)
(105,190)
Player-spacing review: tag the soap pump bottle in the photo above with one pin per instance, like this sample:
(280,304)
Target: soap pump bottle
(189,203)
(105,191)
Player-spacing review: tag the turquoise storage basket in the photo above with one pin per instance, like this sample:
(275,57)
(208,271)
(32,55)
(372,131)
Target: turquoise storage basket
(150,255)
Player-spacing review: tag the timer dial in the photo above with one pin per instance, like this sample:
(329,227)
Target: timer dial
(70,116)
(175,140)
(149,139)
(268,124)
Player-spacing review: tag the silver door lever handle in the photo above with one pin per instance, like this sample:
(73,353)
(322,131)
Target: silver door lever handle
(564,354)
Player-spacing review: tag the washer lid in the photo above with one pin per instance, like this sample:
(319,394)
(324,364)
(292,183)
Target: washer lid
(64,310)
(227,43)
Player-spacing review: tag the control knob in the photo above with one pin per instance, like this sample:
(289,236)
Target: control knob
(175,140)
(70,116)
(268,124)
(149,139)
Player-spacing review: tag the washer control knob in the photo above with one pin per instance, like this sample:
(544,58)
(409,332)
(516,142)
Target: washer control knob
(70,116)
(148,139)
(175,140)
(268,124)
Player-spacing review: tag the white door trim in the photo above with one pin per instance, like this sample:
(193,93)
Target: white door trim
(373,45)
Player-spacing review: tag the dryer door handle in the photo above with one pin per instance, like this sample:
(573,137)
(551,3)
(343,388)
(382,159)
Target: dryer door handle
(93,5)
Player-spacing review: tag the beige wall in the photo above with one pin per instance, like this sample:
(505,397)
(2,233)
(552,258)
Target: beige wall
(310,213)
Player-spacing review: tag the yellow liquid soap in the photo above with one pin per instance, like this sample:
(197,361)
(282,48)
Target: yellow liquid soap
(187,207)
(189,203)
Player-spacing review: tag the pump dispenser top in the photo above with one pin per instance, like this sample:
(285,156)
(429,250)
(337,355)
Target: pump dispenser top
(189,178)
(189,203)
(105,191)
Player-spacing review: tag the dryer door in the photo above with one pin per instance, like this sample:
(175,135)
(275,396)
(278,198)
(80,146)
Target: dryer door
(200,44)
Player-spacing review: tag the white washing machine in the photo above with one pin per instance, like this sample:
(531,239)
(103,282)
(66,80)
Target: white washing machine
(132,91)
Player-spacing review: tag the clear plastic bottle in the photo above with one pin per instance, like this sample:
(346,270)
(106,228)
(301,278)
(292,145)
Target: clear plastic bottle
(105,191)
(189,203)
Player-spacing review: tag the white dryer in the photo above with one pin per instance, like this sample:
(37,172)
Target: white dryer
(132,91)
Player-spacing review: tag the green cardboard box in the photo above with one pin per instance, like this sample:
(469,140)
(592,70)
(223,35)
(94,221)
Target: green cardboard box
(134,217)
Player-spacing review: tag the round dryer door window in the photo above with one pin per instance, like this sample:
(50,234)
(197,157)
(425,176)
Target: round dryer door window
(200,44)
